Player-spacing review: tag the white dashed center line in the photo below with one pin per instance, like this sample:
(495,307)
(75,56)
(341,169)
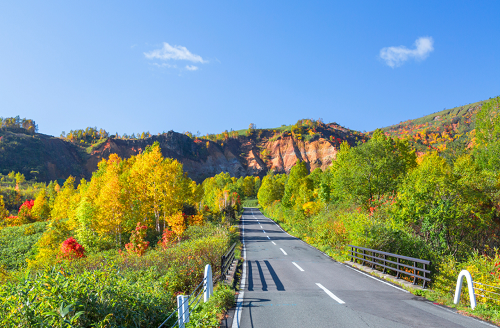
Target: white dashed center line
(264,231)
(273,243)
(268,237)
(298,266)
(329,293)
(283,251)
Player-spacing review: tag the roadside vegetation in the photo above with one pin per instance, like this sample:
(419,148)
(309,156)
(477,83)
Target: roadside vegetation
(114,251)
(383,194)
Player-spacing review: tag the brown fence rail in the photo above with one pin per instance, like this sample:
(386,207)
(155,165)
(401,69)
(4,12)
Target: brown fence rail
(226,261)
(392,262)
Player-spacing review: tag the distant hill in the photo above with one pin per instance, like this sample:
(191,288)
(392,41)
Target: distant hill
(251,152)
(448,131)
(243,152)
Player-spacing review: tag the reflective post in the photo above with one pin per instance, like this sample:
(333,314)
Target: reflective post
(208,285)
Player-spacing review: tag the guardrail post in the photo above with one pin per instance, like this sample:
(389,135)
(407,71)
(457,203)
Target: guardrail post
(352,254)
(183,310)
(208,285)
(458,290)
(222,260)
(415,273)
(383,271)
(425,276)
(397,267)
(363,263)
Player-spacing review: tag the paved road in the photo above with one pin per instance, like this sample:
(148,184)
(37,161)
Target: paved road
(287,283)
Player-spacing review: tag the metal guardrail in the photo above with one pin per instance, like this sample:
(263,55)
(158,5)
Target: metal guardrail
(226,261)
(188,303)
(392,262)
(184,302)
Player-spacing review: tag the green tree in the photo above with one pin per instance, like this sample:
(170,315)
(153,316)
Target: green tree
(257,184)
(20,178)
(248,186)
(487,134)
(297,173)
(272,189)
(445,205)
(365,173)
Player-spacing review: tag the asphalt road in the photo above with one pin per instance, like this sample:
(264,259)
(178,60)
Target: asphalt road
(287,283)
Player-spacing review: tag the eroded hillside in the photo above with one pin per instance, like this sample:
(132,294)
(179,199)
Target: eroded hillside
(49,158)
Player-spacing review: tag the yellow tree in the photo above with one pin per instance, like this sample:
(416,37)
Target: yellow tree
(144,181)
(3,212)
(110,210)
(178,223)
(160,186)
(41,209)
(62,204)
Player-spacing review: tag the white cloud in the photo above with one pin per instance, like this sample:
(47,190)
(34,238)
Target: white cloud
(175,53)
(396,56)
(191,67)
(162,65)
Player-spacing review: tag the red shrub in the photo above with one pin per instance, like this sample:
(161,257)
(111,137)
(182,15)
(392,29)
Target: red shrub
(167,239)
(71,249)
(137,244)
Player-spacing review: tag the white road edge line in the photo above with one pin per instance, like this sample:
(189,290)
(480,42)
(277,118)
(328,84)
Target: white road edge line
(283,251)
(239,306)
(329,293)
(388,284)
(273,243)
(298,266)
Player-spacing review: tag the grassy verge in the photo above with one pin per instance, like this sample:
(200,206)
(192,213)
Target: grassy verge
(113,289)
(250,202)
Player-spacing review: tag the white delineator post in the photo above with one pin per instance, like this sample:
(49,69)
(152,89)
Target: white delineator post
(183,311)
(458,290)
(208,285)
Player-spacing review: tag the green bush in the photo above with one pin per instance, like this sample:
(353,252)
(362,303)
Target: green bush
(16,244)
(115,289)
(101,298)
(210,314)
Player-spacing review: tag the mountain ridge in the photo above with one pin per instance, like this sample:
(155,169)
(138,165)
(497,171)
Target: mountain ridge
(240,153)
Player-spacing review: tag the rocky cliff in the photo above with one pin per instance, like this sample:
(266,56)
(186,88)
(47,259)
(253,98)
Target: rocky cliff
(50,158)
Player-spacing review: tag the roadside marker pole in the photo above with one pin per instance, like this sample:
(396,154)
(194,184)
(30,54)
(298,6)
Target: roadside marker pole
(208,286)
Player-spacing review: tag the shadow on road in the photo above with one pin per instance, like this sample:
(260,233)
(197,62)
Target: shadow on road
(274,276)
(250,305)
(277,280)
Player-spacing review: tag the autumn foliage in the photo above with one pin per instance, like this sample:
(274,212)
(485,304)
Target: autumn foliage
(168,239)
(137,244)
(71,249)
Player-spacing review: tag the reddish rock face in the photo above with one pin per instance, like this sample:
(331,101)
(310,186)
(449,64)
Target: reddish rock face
(285,152)
(254,155)
(239,157)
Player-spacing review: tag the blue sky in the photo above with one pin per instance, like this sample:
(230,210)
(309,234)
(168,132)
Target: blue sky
(208,66)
